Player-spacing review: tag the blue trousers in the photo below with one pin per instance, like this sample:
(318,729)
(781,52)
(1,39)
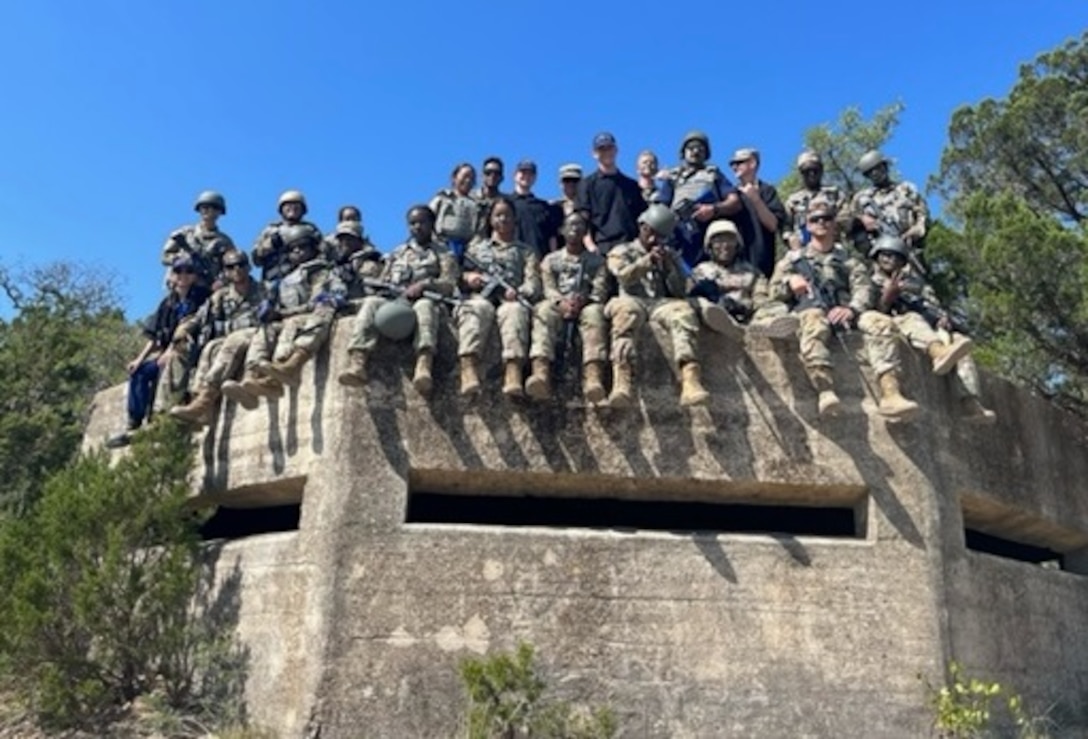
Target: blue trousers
(141,392)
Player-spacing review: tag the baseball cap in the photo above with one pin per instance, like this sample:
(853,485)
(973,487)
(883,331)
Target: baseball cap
(526,164)
(603,140)
(743,155)
(570,172)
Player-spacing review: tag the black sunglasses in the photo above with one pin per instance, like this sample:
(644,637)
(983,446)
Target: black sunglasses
(820,219)
(234,265)
(184,271)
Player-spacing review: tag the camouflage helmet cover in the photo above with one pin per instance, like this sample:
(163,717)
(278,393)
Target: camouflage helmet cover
(292,196)
(808,156)
(696,136)
(889,243)
(395,320)
(659,218)
(871,159)
(211,197)
(722,226)
(298,235)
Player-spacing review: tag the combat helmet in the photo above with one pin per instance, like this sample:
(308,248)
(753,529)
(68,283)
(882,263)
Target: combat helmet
(292,196)
(871,159)
(889,243)
(211,197)
(695,136)
(808,156)
(395,320)
(659,218)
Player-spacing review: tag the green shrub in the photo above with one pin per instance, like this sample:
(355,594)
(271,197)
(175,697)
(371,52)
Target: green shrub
(966,708)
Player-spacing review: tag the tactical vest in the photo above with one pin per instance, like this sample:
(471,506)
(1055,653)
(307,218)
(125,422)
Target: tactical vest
(510,259)
(700,186)
(412,263)
(456,217)
(233,311)
(565,268)
(737,281)
(297,288)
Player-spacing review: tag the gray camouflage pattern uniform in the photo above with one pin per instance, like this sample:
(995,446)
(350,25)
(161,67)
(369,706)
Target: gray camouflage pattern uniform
(275,264)
(740,281)
(899,208)
(520,266)
(797,207)
(207,247)
(456,215)
(559,274)
(848,278)
(434,265)
(647,289)
(231,318)
(306,321)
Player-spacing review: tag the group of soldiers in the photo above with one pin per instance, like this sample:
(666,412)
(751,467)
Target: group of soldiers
(684,248)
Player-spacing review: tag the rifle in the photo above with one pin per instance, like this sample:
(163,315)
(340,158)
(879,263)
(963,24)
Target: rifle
(200,263)
(712,291)
(496,279)
(566,347)
(932,313)
(394,290)
(889,226)
(821,294)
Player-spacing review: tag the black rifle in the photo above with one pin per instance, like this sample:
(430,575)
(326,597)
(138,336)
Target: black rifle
(566,347)
(712,291)
(931,312)
(495,280)
(392,289)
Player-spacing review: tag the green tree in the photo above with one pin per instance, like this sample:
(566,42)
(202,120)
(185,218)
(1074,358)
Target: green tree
(99,579)
(842,143)
(1014,254)
(67,338)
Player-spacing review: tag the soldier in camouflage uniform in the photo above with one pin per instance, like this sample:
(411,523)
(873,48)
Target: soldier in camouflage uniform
(651,283)
(497,255)
(203,242)
(349,222)
(569,177)
(354,258)
(456,211)
(487,193)
(905,295)
(726,289)
(827,289)
(889,208)
(575,291)
(296,317)
(225,325)
(423,267)
(271,250)
(811,168)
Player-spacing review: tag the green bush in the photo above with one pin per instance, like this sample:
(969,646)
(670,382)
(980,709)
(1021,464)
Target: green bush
(967,708)
(99,580)
(507,699)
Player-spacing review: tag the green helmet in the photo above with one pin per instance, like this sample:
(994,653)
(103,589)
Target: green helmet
(298,235)
(871,159)
(695,136)
(292,196)
(659,218)
(211,197)
(395,320)
(889,243)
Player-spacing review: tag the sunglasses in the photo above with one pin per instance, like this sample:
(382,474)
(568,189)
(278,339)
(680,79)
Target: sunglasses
(234,265)
(492,172)
(820,219)
(809,170)
(184,271)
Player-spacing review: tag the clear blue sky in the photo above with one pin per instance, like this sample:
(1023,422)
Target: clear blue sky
(117,112)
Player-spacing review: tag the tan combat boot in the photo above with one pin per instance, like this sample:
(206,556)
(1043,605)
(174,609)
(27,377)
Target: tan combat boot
(827,402)
(470,375)
(973,411)
(539,386)
(261,386)
(289,371)
(235,391)
(201,411)
(421,378)
(621,385)
(355,374)
(893,405)
(593,382)
(512,380)
(945,356)
(692,391)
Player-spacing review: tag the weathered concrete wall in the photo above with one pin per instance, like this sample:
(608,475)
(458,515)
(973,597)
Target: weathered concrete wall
(360,619)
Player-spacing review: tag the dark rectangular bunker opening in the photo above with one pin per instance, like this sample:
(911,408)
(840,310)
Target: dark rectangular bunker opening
(627,514)
(978,541)
(237,523)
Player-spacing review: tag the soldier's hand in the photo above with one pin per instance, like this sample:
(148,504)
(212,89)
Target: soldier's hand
(132,366)
(944,323)
(413,291)
(164,358)
(510,295)
(703,213)
(750,190)
(474,280)
(657,254)
(840,315)
(891,291)
(798,284)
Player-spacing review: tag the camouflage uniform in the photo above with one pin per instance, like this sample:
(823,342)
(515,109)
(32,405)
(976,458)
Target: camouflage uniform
(559,272)
(520,266)
(689,185)
(307,302)
(898,208)
(205,246)
(351,268)
(455,219)
(272,258)
(797,207)
(434,265)
(743,288)
(483,206)
(647,289)
(230,318)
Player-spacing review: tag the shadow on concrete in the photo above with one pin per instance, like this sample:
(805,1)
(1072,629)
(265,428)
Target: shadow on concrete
(712,550)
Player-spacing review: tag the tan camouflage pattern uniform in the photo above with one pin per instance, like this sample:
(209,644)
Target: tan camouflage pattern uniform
(917,330)
(455,215)
(233,318)
(483,206)
(559,273)
(646,288)
(739,281)
(848,278)
(797,207)
(275,264)
(208,245)
(520,266)
(899,208)
(305,324)
(409,263)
